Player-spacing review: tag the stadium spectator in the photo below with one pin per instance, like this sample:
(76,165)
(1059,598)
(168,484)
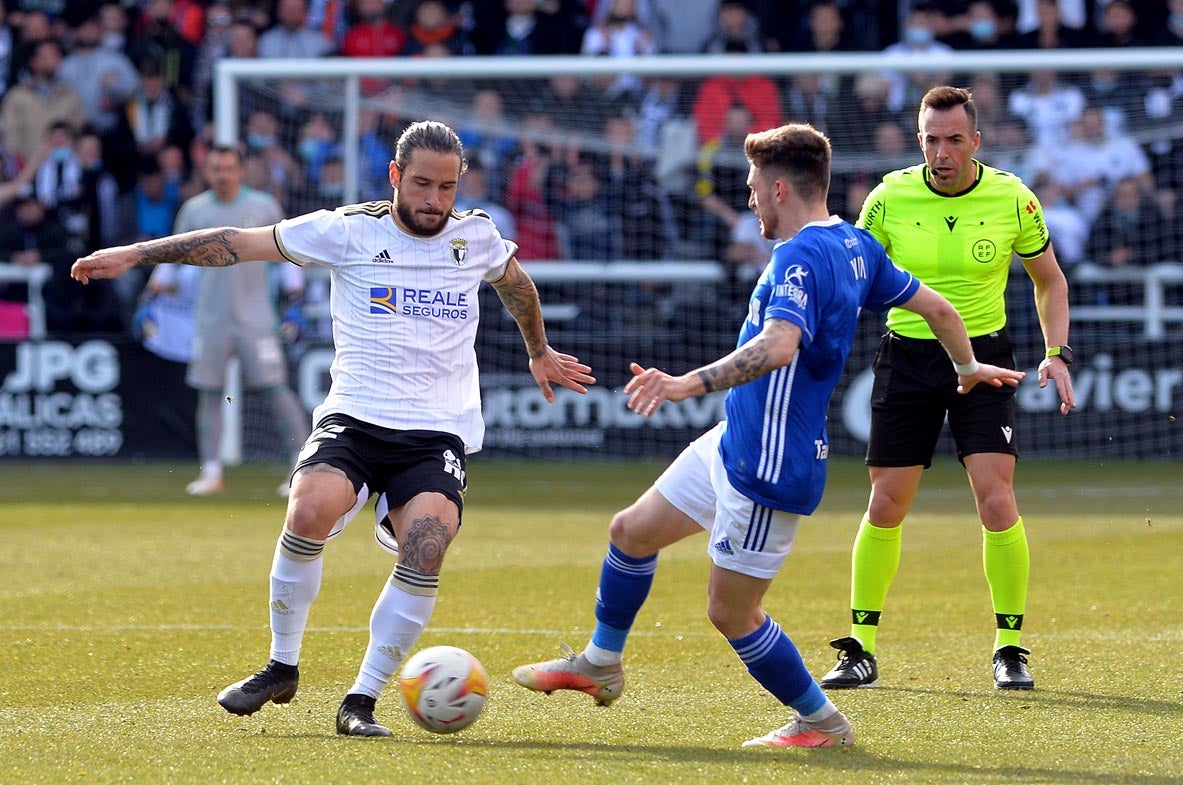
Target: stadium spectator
(1171,33)
(433,24)
(32,27)
(989,97)
(488,137)
(31,237)
(807,99)
(291,36)
(1119,26)
(1120,95)
(160,41)
(863,106)
(215,45)
(577,198)
(373,152)
(525,195)
(620,34)
(58,183)
(1065,222)
(802,312)
(825,30)
(921,27)
(1070,15)
(157,202)
(721,187)
(984,217)
(1048,106)
(980,27)
(107,221)
(390,444)
(188,19)
(474,193)
(318,142)
(566,99)
(1045,28)
(374,33)
(528,27)
(736,31)
(263,139)
(154,115)
(1128,231)
(30,108)
(115,24)
(640,204)
(7,52)
(1094,159)
(756,93)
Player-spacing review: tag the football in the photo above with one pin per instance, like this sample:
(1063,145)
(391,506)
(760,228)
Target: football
(444,688)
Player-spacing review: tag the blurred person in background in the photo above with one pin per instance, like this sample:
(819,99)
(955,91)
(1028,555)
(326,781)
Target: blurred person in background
(42,98)
(234,317)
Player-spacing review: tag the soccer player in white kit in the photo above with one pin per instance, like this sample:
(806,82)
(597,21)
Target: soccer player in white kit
(403,409)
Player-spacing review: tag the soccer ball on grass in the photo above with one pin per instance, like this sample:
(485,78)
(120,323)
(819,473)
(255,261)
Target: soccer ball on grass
(444,688)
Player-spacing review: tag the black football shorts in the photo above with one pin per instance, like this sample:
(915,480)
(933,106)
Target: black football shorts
(916,388)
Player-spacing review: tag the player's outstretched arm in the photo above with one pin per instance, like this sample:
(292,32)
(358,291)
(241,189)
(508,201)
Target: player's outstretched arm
(946,324)
(520,297)
(773,348)
(219,247)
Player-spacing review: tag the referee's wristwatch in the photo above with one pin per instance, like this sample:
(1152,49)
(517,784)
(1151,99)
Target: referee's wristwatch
(1063,352)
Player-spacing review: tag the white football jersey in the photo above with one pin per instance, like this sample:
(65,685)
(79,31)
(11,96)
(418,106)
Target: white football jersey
(404,313)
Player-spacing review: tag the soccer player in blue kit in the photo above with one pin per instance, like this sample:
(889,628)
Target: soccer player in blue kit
(748,481)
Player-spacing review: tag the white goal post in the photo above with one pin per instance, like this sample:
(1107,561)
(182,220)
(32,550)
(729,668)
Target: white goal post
(671,304)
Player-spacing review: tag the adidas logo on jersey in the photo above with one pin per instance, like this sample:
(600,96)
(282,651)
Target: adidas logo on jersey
(724,546)
(382,257)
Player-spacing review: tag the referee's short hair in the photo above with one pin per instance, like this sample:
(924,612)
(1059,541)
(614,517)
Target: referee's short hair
(428,135)
(798,152)
(944,97)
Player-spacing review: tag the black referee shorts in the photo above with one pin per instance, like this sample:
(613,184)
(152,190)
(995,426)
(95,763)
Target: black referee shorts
(401,464)
(916,388)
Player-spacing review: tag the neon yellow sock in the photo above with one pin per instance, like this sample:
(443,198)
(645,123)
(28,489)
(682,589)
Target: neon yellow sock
(873,563)
(1007,563)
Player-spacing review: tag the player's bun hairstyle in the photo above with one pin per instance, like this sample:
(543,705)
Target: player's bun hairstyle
(798,153)
(428,135)
(943,97)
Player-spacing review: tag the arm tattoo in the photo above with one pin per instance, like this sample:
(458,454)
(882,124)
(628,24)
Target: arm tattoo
(202,248)
(520,298)
(423,546)
(751,361)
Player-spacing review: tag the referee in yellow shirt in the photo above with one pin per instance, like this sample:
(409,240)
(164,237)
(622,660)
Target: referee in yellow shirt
(954,223)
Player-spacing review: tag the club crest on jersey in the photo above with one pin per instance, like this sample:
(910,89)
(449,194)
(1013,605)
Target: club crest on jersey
(459,250)
(794,285)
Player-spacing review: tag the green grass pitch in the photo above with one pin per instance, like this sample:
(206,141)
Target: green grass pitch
(125,607)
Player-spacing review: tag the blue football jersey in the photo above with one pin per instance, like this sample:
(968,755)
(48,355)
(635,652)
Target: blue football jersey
(775,445)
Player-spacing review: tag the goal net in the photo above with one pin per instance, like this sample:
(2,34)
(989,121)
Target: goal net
(623,182)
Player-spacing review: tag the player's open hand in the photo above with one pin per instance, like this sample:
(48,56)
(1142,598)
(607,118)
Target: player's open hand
(562,369)
(1057,371)
(992,375)
(107,263)
(650,388)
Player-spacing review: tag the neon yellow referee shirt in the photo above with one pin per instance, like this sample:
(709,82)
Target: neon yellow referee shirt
(959,245)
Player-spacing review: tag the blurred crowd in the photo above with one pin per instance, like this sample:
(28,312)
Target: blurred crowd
(106,114)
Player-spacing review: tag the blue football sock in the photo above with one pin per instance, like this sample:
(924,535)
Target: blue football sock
(774,661)
(624,585)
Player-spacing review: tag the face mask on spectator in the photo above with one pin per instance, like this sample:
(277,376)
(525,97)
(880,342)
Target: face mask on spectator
(333,190)
(918,36)
(113,40)
(259,141)
(982,29)
(311,149)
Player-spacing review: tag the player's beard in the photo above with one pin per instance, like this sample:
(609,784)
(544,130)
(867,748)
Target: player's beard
(415,223)
(768,226)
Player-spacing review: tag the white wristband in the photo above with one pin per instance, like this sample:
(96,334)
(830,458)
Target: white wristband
(966,369)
